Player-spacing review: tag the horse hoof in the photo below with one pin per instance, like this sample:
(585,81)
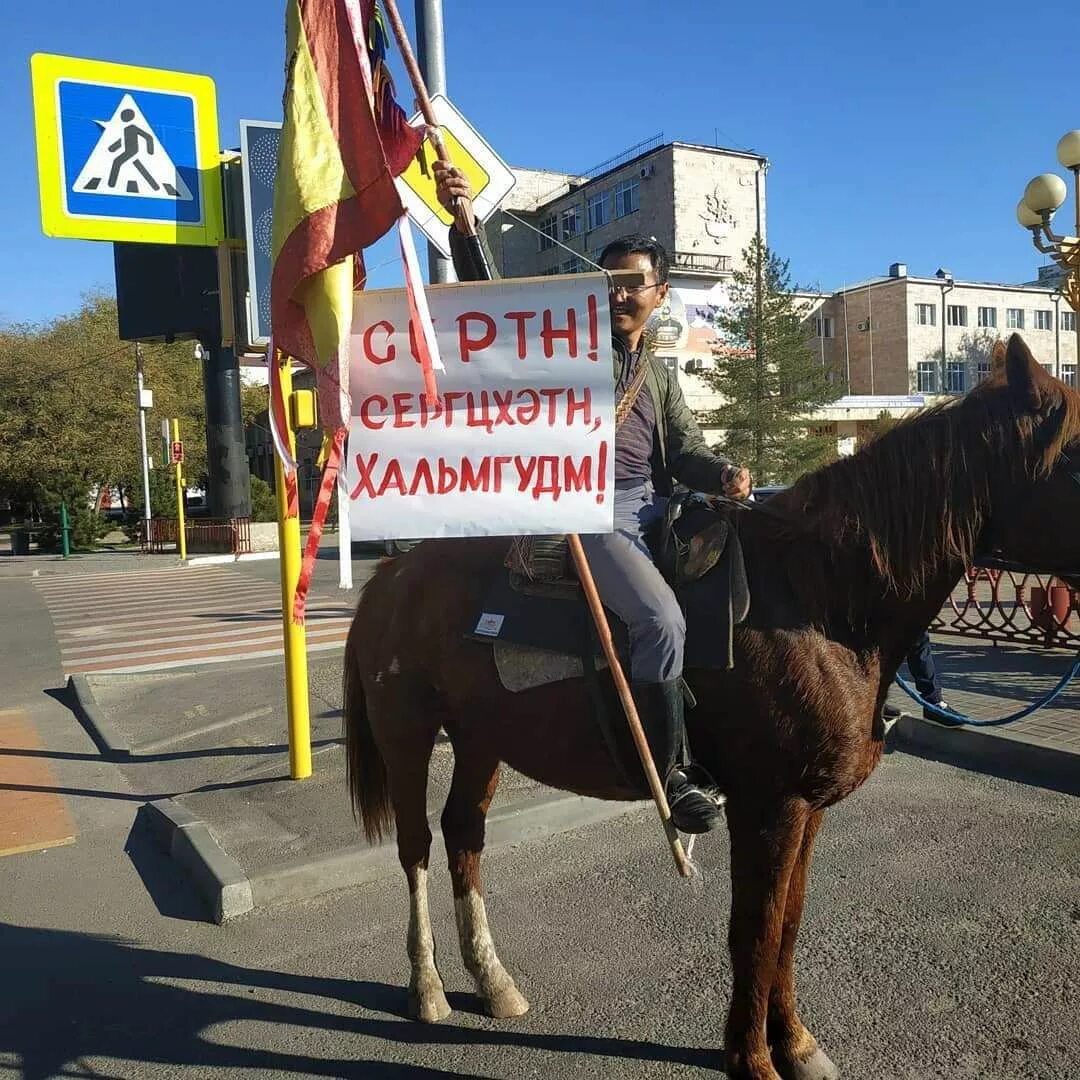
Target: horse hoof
(816,1067)
(507,1003)
(429,1008)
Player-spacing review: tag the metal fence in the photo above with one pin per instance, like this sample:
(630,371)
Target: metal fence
(1000,601)
(231,536)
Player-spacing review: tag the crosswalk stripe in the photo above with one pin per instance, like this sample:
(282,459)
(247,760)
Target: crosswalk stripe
(261,617)
(159,619)
(212,633)
(63,582)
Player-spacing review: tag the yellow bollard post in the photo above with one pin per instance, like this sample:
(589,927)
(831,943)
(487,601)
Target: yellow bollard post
(296,677)
(181,536)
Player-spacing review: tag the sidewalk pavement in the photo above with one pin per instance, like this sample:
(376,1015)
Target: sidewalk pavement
(986,682)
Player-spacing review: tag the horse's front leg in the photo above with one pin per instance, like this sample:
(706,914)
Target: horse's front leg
(765,844)
(795,1051)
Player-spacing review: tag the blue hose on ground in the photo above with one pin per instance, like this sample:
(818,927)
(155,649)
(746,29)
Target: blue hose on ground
(951,717)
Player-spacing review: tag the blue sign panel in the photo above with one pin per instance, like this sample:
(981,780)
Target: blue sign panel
(129,153)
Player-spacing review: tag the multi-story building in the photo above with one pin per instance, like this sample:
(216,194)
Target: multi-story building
(900,334)
(703,203)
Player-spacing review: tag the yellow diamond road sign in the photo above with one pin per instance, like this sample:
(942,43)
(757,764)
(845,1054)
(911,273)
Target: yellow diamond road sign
(488,175)
(126,153)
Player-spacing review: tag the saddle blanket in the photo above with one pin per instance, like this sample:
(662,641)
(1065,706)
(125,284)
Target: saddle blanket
(521,667)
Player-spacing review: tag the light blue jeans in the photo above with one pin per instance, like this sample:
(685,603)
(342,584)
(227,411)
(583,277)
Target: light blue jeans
(631,586)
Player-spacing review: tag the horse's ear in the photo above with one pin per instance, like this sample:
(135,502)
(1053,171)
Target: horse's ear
(1024,374)
(997,358)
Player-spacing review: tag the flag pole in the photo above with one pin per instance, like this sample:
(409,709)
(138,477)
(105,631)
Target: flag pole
(466,224)
(463,215)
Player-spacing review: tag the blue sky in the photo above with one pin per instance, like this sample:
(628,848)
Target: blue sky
(896,132)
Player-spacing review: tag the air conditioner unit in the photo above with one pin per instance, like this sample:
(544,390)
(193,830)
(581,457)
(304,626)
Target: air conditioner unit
(647,171)
(863,325)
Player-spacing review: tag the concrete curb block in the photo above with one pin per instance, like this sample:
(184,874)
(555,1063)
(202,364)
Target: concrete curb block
(999,752)
(102,730)
(230,892)
(219,878)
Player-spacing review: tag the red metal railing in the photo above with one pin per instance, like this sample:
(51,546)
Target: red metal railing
(1000,601)
(231,536)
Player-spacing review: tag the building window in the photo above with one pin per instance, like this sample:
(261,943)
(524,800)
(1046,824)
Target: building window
(926,314)
(626,197)
(927,376)
(576,265)
(823,326)
(598,210)
(1048,368)
(1014,318)
(955,377)
(571,222)
(988,317)
(549,230)
(957,315)
(982,368)
(1068,320)
(1068,375)
(1044,319)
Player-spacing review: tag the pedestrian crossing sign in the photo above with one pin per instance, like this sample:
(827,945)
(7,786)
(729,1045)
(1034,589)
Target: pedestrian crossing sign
(126,153)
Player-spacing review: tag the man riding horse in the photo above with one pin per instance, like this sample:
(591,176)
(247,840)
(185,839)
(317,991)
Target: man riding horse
(658,442)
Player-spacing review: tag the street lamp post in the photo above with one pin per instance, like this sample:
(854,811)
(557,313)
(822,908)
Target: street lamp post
(947,285)
(1042,198)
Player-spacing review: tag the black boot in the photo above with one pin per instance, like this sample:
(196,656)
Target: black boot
(660,706)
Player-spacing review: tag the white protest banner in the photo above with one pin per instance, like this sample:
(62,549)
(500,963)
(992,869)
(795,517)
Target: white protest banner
(520,438)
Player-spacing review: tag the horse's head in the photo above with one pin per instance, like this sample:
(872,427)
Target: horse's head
(1036,509)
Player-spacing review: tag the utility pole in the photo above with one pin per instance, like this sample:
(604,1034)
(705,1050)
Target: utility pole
(759,330)
(431,54)
(139,391)
(229,494)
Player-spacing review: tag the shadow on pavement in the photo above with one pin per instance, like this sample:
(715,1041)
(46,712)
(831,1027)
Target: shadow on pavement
(167,885)
(72,998)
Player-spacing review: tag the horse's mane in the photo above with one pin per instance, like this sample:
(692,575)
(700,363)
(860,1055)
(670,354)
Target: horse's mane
(918,496)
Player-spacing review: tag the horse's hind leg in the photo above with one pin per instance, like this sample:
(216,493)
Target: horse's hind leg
(476,774)
(407,761)
(795,1051)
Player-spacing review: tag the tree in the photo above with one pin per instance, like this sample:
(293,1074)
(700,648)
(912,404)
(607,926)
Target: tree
(768,375)
(67,409)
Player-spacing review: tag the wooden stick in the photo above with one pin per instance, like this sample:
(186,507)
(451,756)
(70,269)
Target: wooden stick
(463,212)
(596,608)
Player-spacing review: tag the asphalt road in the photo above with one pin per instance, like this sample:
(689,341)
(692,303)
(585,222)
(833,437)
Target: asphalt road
(942,939)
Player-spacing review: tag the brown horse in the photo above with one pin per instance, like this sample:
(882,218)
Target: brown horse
(846,569)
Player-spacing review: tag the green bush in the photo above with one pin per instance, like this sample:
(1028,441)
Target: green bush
(162,501)
(263,502)
(86,525)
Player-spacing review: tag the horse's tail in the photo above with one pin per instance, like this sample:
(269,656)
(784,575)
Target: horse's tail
(365,767)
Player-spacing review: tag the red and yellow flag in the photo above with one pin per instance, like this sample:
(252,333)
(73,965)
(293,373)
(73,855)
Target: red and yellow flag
(343,141)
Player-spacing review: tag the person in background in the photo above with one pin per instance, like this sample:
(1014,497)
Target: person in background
(920,662)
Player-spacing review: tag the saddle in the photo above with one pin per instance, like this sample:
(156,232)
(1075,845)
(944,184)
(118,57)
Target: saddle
(537,619)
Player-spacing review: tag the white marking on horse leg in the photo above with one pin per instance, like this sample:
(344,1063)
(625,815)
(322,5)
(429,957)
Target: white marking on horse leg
(493,982)
(427,999)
